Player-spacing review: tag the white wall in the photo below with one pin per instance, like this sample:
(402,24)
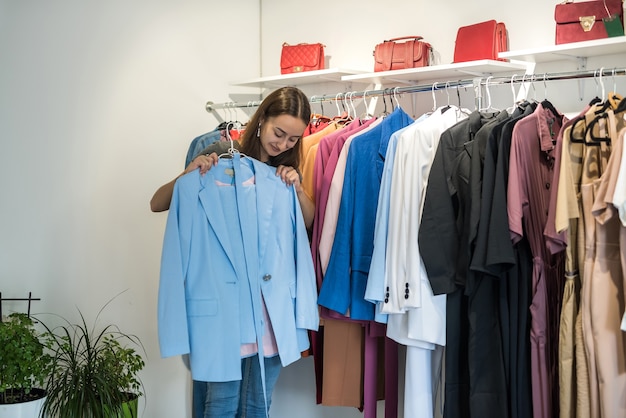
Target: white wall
(98,104)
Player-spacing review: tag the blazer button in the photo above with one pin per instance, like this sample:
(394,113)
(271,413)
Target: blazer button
(267,277)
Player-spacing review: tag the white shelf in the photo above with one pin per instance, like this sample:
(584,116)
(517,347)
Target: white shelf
(480,68)
(297,79)
(597,47)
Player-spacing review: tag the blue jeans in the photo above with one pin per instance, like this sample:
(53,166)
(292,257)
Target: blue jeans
(238,398)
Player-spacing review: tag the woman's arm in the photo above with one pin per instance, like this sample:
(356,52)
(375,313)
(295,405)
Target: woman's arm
(307,206)
(163,196)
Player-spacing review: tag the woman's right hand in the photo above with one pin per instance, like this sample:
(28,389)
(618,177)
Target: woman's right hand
(203,162)
(163,196)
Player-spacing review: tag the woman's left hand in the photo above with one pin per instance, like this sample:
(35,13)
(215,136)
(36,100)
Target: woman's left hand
(289,175)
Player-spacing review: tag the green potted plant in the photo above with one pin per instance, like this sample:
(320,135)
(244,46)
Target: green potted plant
(94,371)
(24,367)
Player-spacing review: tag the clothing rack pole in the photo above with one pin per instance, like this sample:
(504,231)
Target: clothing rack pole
(466,83)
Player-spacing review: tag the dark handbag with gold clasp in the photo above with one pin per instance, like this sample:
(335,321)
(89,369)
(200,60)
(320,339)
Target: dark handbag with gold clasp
(588,20)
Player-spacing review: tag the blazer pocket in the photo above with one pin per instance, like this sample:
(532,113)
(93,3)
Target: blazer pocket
(202,307)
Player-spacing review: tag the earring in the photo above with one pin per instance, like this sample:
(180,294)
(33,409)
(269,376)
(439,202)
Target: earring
(258,131)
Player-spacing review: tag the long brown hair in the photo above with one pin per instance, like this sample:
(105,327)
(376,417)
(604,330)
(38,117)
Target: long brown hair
(285,100)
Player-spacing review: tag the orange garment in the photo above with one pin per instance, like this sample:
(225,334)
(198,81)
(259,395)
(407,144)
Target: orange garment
(309,150)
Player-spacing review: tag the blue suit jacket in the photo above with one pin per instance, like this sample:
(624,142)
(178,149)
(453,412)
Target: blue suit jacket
(343,287)
(229,240)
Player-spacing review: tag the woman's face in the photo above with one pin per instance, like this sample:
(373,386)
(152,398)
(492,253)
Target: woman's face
(279,134)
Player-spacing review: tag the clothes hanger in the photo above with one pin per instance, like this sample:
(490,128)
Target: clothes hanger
(597,75)
(395,97)
(350,99)
(459,110)
(447,106)
(343,116)
(589,129)
(231,150)
(366,115)
(432,92)
(605,104)
(614,98)
(385,112)
(489,108)
(314,116)
(602,114)
(511,109)
(572,137)
(533,78)
(547,103)
(596,99)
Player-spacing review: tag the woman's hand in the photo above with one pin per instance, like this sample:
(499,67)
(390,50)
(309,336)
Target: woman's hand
(163,196)
(203,162)
(290,176)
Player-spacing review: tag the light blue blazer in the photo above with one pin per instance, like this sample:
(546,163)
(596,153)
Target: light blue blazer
(233,235)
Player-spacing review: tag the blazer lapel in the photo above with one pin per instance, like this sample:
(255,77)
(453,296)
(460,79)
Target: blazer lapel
(212,204)
(265,191)
(247,219)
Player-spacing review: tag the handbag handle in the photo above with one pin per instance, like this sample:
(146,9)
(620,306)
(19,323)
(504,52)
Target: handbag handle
(608,13)
(301,43)
(417,38)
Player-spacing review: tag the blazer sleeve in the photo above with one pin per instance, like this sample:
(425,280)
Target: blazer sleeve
(306,286)
(437,237)
(335,290)
(171,306)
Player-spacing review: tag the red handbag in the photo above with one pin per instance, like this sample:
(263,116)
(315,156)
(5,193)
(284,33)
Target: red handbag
(301,57)
(583,21)
(481,41)
(394,55)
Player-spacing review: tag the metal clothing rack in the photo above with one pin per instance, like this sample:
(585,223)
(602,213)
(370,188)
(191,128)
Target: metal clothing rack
(475,83)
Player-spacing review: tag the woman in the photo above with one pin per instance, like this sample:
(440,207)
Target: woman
(273,135)
(280,121)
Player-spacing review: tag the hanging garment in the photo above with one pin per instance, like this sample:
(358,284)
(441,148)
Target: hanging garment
(338,349)
(473,386)
(343,287)
(326,158)
(572,372)
(608,292)
(380,356)
(201,142)
(568,210)
(619,197)
(420,324)
(226,251)
(345,280)
(588,162)
(309,150)
(331,213)
(496,255)
(528,196)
